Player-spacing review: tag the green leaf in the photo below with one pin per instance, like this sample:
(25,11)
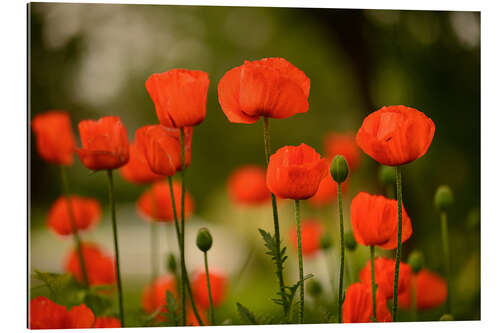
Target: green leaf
(172,307)
(56,283)
(246,314)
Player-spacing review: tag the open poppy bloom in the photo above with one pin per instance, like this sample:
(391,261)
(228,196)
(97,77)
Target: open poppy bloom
(179,96)
(343,144)
(327,192)
(384,276)
(218,286)
(55,141)
(85,213)
(98,264)
(45,314)
(375,221)
(104,143)
(358,304)
(156,203)
(107,322)
(311,232)
(247,186)
(395,135)
(430,290)
(137,169)
(154,295)
(161,147)
(295,172)
(270,87)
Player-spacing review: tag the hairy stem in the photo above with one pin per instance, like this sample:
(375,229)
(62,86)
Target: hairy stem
(212,313)
(301,268)
(374,286)
(398,251)
(342,249)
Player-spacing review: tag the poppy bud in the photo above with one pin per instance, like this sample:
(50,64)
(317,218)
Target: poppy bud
(416,261)
(386,175)
(443,198)
(171,263)
(349,241)
(339,169)
(314,288)
(204,239)
(325,242)
(446,317)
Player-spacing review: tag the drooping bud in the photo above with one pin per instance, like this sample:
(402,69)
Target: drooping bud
(443,198)
(447,317)
(416,261)
(314,288)
(386,175)
(204,239)
(171,263)
(339,169)
(325,242)
(349,241)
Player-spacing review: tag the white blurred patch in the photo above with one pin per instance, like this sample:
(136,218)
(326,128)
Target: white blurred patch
(466,27)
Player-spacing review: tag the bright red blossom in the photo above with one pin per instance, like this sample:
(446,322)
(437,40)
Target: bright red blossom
(384,276)
(137,169)
(395,135)
(104,143)
(375,221)
(98,264)
(218,286)
(357,306)
(247,186)
(327,192)
(45,314)
(154,295)
(430,289)
(85,213)
(311,232)
(270,87)
(295,172)
(343,144)
(107,322)
(55,141)
(179,96)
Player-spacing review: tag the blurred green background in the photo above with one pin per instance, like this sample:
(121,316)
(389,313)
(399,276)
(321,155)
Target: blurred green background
(93,60)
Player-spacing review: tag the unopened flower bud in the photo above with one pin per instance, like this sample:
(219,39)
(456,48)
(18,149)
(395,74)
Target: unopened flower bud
(416,261)
(339,169)
(447,317)
(386,175)
(349,241)
(443,198)
(325,242)
(204,239)
(314,288)
(171,263)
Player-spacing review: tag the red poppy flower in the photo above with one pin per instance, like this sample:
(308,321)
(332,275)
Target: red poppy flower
(375,221)
(104,143)
(358,304)
(55,141)
(311,232)
(270,87)
(161,147)
(179,96)
(431,291)
(80,316)
(86,213)
(156,203)
(107,322)
(154,295)
(343,144)
(327,192)
(191,319)
(247,185)
(295,172)
(384,276)
(395,135)
(218,286)
(45,314)
(98,264)
(137,169)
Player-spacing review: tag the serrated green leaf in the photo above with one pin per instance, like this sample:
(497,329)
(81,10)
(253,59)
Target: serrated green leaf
(246,314)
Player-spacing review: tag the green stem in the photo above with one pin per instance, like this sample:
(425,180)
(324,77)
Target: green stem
(212,313)
(301,268)
(446,253)
(115,240)
(374,286)
(342,249)
(398,251)
(74,228)
(183,258)
(279,263)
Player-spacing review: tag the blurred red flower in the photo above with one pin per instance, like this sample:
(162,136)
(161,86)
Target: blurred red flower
(358,304)
(191,319)
(156,203)
(431,291)
(45,314)
(86,213)
(395,135)
(107,322)
(375,221)
(161,148)
(104,143)
(295,172)
(270,87)
(343,144)
(327,192)
(137,169)
(384,276)
(98,264)
(154,295)
(218,286)
(55,141)
(179,96)
(247,185)
(311,232)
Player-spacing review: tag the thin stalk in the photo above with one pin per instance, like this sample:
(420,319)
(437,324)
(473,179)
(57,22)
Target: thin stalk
(301,268)
(446,253)
(398,251)
(183,258)
(342,249)
(115,240)
(279,264)
(374,286)
(212,313)
(74,228)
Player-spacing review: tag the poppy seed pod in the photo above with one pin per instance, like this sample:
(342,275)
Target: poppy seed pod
(204,239)
(386,175)
(349,241)
(443,198)
(416,261)
(325,242)
(339,169)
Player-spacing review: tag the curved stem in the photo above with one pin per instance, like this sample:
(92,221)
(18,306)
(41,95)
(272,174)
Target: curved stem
(301,268)
(183,258)
(74,228)
(212,314)
(342,249)
(374,286)
(115,240)
(398,251)
(446,253)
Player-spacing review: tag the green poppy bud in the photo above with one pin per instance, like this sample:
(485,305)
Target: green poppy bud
(339,169)
(386,175)
(416,261)
(314,288)
(349,241)
(204,239)
(447,317)
(325,242)
(171,263)
(443,198)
